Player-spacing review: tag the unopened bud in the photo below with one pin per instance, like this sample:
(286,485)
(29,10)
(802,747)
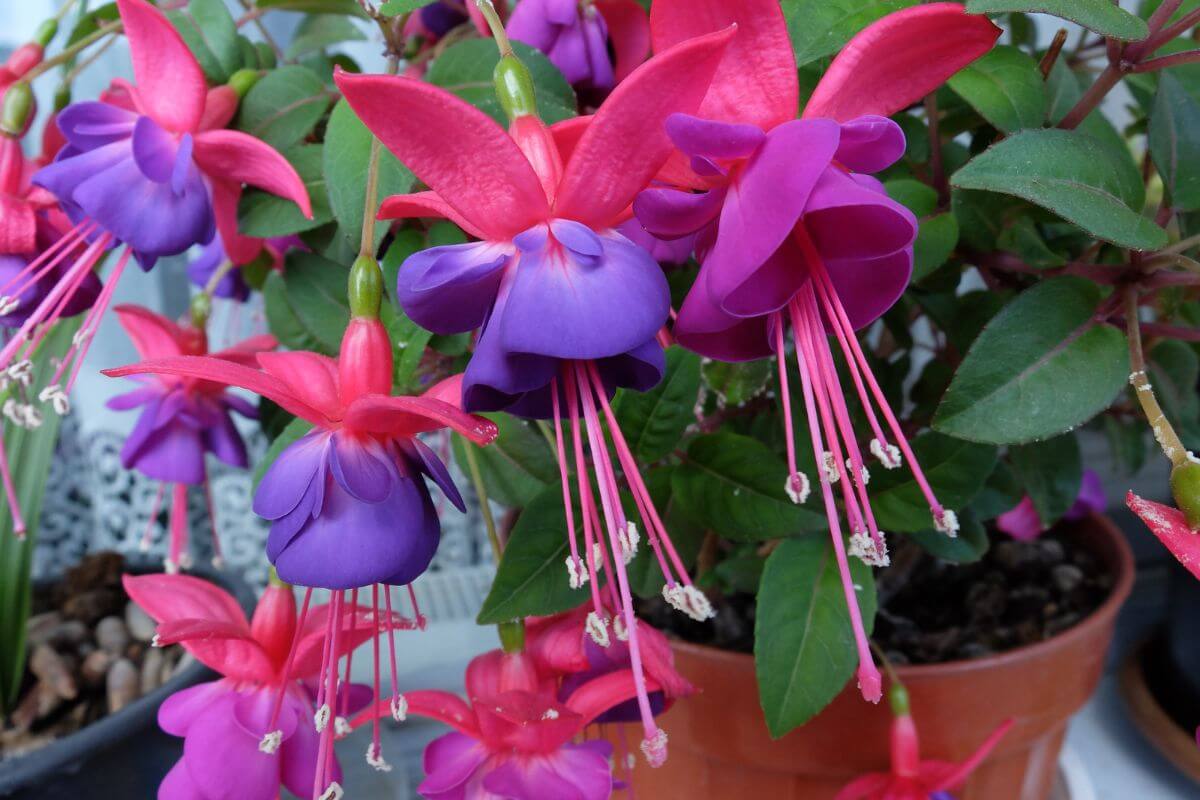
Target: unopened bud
(46,32)
(898,699)
(18,106)
(1185,486)
(514,88)
(243,81)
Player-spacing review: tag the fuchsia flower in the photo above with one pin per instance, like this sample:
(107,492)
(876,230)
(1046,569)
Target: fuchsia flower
(435,20)
(575,37)
(181,418)
(570,308)
(912,778)
(515,739)
(157,176)
(1171,528)
(791,229)
(232,285)
(224,723)
(1022,521)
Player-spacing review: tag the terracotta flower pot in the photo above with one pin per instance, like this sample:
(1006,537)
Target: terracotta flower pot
(720,747)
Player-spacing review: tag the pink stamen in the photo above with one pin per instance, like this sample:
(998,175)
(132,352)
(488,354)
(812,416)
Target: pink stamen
(218,557)
(418,617)
(375,743)
(585,495)
(179,524)
(43,264)
(87,331)
(785,397)
(391,635)
(572,539)
(344,709)
(325,767)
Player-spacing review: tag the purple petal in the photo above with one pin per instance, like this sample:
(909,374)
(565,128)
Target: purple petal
(714,140)
(1091,497)
(432,466)
(640,369)
(89,125)
(172,452)
(577,237)
(361,466)
(450,289)
(869,287)
(178,785)
(134,399)
(575,772)
(154,150)
(224,761)
(870,144)
(705,329)
(287,480)
(201,269)
(673,213)
(178,711)
(450,761)
(664,251)
(601,75)
(849,218)
(223,440)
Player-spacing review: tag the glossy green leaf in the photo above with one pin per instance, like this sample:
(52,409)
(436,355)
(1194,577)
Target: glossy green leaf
(804,650)
(1070,174)
(735,384)
(518,465)
(263,214)
(211,34)
(532,577)
(970,545)
(1102,16)
(394,8)
(645,574)
(465,69)
(1050,472)
(936,239)
(1005,87)
(956,470)
(347,156)
(819,28)
(1175,142)
(319,31)
(653,422)
(1040,367)
(734,486)
(284,106)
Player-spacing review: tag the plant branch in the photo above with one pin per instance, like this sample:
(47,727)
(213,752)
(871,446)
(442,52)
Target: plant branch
(1164,434)
(66,55)
(1173,60)
(366,245)
(1047,62)
(1099,89)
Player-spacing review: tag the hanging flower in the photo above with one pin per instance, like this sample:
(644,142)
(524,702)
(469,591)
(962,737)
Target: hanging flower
(792,230)
(570,308)
(214,262)
(223,723)
(575,36)
(181,419)
(151,171)
(1022,521)
(1171,528)
(912,778)
(515,739)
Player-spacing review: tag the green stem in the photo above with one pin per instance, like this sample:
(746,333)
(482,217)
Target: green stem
(481,492)
(366,245)
(1103,84)
(497,26)
(66,55)
(1164,434)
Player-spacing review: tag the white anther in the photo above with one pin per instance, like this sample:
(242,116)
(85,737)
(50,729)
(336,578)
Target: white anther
(33,417)
(81,336)
(630,761)
(628,537)
(155,641)
(144,546)
(597,554)
(829,466)
(170,567)
(21,371)
(8,304)
(797,487)
(597,628)
(218,562)
(341,727)
(57,398)
(375,758)
(866,476)
(946,521)
(863,547)
(698,606)
(675,597)
(399,708)
(654,747)
(332,792)
(888,454)
(619,628)
(11,411)
(321,718)
(270,743)
(550,713)
(185,561)
(577,574)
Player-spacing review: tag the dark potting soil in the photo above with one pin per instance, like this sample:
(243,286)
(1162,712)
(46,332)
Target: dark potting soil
(932,611)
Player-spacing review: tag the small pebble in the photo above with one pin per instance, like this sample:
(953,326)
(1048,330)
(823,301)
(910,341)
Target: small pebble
(122,684)
(112,635)
(139,623)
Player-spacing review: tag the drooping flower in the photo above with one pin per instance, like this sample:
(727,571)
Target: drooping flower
(912,778)
(435,20)
(570,309)
(1171,528)
(1022,521)
(575,36)
(181,419)
(215,263)
(515,739)
(793,231)
(142,173)
(223,723)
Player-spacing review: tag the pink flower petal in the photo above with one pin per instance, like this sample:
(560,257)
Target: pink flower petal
(454,148)
(172,597)
(626,143)
(311,377)
(153,335)
(1021,522)
(408,416)
(756,82)
(899,59)
(1169,525)
(238,248)
(442,706)
(629,32)
(240,158)
(227,647)
(246,351)
(599,695)
(170,84)
(220,106)
(425,204)
(18,225)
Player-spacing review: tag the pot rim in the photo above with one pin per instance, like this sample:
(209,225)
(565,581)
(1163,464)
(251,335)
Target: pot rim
(1118,556)
(23,771)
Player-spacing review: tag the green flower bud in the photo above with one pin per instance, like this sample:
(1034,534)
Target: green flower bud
(514,88)
(201,307)
(1185,486)
(512,636)
(366,287)
(243,81)
(898,699)
(46,32)
(18,105)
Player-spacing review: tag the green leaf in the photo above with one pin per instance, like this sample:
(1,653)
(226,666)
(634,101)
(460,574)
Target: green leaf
(645,574)
(819,28)
(936,239)
(1000,493)
(1174,138)
(465,69)
(970,545)
(1050,472)
(211,34)
(735,384)
(1040,367)
(1071,174)
(308,310)
(394,8)
(319,31)
(293,432)
(532,577)
(1005,87)
(347,155)
(956,470)
(408,346)
(1102,16)
(89,23)
(804,649)
(264,215)
(653,422)
(518,466)
(347,7)
(284,106)
(734,486)
(30,450)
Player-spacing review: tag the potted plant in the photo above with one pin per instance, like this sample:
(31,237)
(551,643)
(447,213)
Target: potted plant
(774,343)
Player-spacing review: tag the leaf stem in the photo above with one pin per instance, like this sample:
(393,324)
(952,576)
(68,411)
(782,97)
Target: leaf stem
(366,245)
(497,26)
(1047,62)
(936,168)
(484,508)
(1099,89)
(1164,434)
(1173,60)
(116,26)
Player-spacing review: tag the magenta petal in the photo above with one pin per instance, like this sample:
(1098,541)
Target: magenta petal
(450,761)
(716,140)
(704,328)
(762,207)
(849,217)
(179,710)
(1021,522)
(1091,497)
(224,761)
(664,251)
(178,785)
(252,712)
(298,758)
(870,144)
(673,213)
(869,287)
(570,773)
